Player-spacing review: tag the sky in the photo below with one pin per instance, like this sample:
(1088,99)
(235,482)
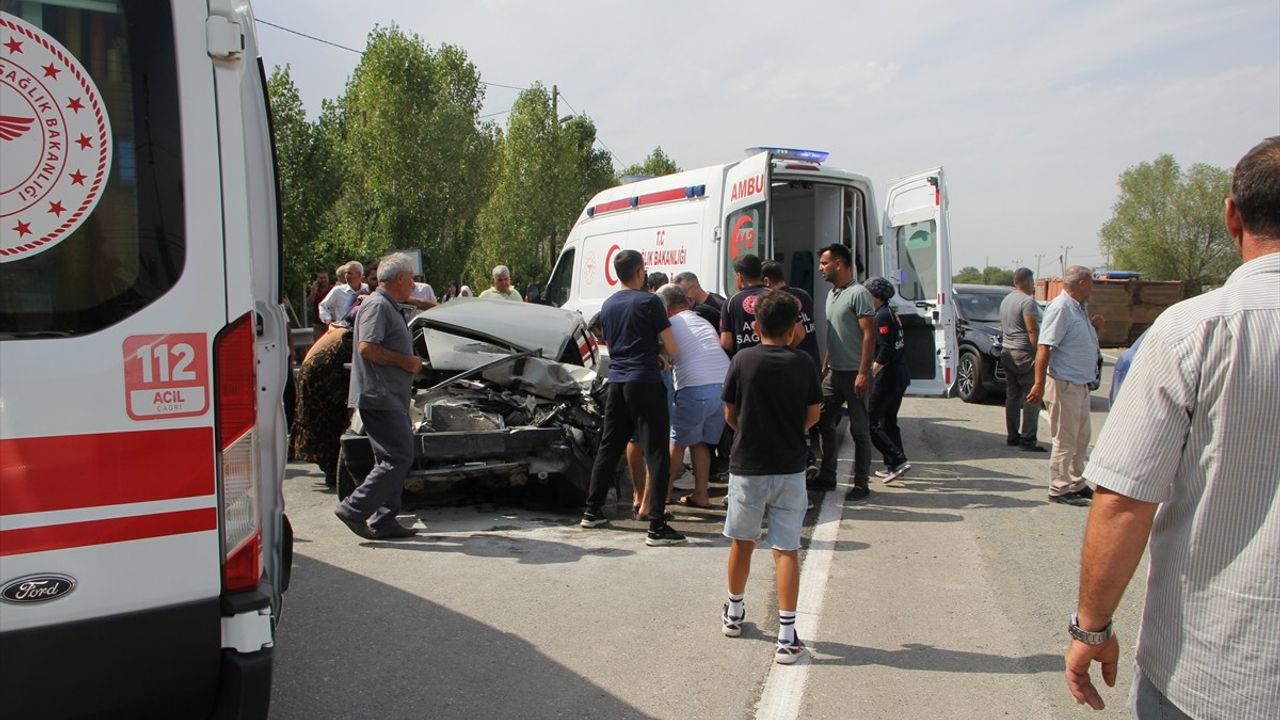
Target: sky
(1033,108)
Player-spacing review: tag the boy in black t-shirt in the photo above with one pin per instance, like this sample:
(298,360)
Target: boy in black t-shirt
(772,397)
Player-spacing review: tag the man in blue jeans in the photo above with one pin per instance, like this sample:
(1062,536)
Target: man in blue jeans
(636,329)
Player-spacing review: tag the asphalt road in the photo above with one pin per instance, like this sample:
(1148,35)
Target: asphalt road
(943,596)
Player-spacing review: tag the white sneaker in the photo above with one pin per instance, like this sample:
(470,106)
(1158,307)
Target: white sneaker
(896,472)
(788,654)
(729,625)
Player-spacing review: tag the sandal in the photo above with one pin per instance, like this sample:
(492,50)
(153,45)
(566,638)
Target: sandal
(688,501)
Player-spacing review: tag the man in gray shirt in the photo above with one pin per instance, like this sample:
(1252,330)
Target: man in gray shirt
(846,370)
(382,371)
(1019,332)
(1068,356)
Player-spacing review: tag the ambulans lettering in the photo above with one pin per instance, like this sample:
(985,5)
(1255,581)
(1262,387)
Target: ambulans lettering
(747,187)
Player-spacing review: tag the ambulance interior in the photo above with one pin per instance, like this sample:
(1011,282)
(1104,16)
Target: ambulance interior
(807,216)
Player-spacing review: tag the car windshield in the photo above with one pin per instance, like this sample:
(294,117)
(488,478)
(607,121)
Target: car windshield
(980,306)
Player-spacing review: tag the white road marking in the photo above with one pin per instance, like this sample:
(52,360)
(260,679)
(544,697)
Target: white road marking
(1112,359)
(784,686)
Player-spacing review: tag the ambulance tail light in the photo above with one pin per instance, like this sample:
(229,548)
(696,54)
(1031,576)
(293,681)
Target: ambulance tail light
(235,382)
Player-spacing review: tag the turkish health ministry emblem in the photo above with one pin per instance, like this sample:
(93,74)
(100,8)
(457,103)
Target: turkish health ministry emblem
(55,139)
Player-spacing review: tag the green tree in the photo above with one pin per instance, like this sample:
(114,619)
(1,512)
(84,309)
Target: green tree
(417,162)
(309,184)
(545,173)
(991,275)
(656,165)
(997,276)
(1167,224)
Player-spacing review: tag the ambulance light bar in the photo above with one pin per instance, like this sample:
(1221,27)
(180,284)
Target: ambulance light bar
(813,156)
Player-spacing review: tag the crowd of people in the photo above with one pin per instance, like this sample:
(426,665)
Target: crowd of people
(320,411)
(1188,461)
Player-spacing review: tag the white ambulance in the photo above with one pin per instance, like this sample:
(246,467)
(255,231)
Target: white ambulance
(783,204)
(143,547)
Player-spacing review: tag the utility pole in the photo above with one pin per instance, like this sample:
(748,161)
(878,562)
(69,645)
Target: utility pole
(1065,250)
(1039,257)
(555,107)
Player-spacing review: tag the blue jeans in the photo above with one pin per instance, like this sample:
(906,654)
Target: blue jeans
(1146,702)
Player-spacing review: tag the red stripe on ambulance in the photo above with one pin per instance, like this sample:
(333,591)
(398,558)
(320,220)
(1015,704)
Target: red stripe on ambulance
(110,530)
(66,472)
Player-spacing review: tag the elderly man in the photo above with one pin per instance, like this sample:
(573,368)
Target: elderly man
(1068,354)
(707,304)
(382,370)
(1189,462)
(1019,332)
(501,288)
(700,368)
(342,297)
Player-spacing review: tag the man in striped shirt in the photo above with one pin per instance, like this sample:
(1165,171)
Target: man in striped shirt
(1189,459)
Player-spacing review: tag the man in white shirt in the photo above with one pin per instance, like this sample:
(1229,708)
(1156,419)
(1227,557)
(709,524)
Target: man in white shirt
(423,297)
(335,305)
(1189,461)
(700,366)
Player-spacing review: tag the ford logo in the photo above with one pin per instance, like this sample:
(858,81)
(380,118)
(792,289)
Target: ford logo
(37,588)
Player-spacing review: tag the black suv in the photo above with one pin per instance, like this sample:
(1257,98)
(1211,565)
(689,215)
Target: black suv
(978,369)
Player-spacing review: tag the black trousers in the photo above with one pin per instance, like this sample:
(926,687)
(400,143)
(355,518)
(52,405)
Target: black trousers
(634,408)
(883,406)
(1021,420)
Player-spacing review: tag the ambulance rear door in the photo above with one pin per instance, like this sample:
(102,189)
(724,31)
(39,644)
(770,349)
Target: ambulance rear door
(917,257)
(745,214)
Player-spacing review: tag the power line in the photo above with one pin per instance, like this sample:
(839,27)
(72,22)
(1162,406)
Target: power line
(489,115)
(310,37)
(606,147)
(361,52)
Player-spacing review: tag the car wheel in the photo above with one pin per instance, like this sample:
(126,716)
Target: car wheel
(969,378)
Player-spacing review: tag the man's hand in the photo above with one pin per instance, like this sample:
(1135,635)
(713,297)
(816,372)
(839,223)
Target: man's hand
(861,384)
(1097,322)
(1036,395)
(1079,657)
(411,364)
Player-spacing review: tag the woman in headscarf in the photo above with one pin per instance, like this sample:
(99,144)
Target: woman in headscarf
(322,414)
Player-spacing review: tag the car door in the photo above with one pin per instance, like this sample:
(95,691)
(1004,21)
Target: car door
(745,213)
(918,258)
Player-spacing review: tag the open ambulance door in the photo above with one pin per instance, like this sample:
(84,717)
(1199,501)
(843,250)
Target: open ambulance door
(917,255)
(745,214)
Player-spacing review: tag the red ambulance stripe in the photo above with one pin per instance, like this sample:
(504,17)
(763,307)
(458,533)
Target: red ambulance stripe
(661,196)
(613,205)
(78,471)
(111,530)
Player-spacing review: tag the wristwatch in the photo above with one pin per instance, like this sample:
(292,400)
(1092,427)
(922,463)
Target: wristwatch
(1089,637)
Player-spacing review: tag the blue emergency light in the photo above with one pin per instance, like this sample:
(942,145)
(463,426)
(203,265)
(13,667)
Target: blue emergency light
(813,156)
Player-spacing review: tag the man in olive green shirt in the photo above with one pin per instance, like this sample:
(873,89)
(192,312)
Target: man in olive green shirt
(846,370)
(501,288)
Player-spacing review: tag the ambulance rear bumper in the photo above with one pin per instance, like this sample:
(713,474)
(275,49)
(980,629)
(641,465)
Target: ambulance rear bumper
(162,662)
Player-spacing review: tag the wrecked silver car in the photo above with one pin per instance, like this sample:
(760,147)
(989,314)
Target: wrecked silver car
(509,397)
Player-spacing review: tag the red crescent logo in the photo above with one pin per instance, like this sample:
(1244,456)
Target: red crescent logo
(749,304)
(608,264)
(743,234)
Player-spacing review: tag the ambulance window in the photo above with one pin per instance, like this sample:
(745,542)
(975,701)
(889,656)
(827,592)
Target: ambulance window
(561,278)
(110,251)
(745,238)
(918,258)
